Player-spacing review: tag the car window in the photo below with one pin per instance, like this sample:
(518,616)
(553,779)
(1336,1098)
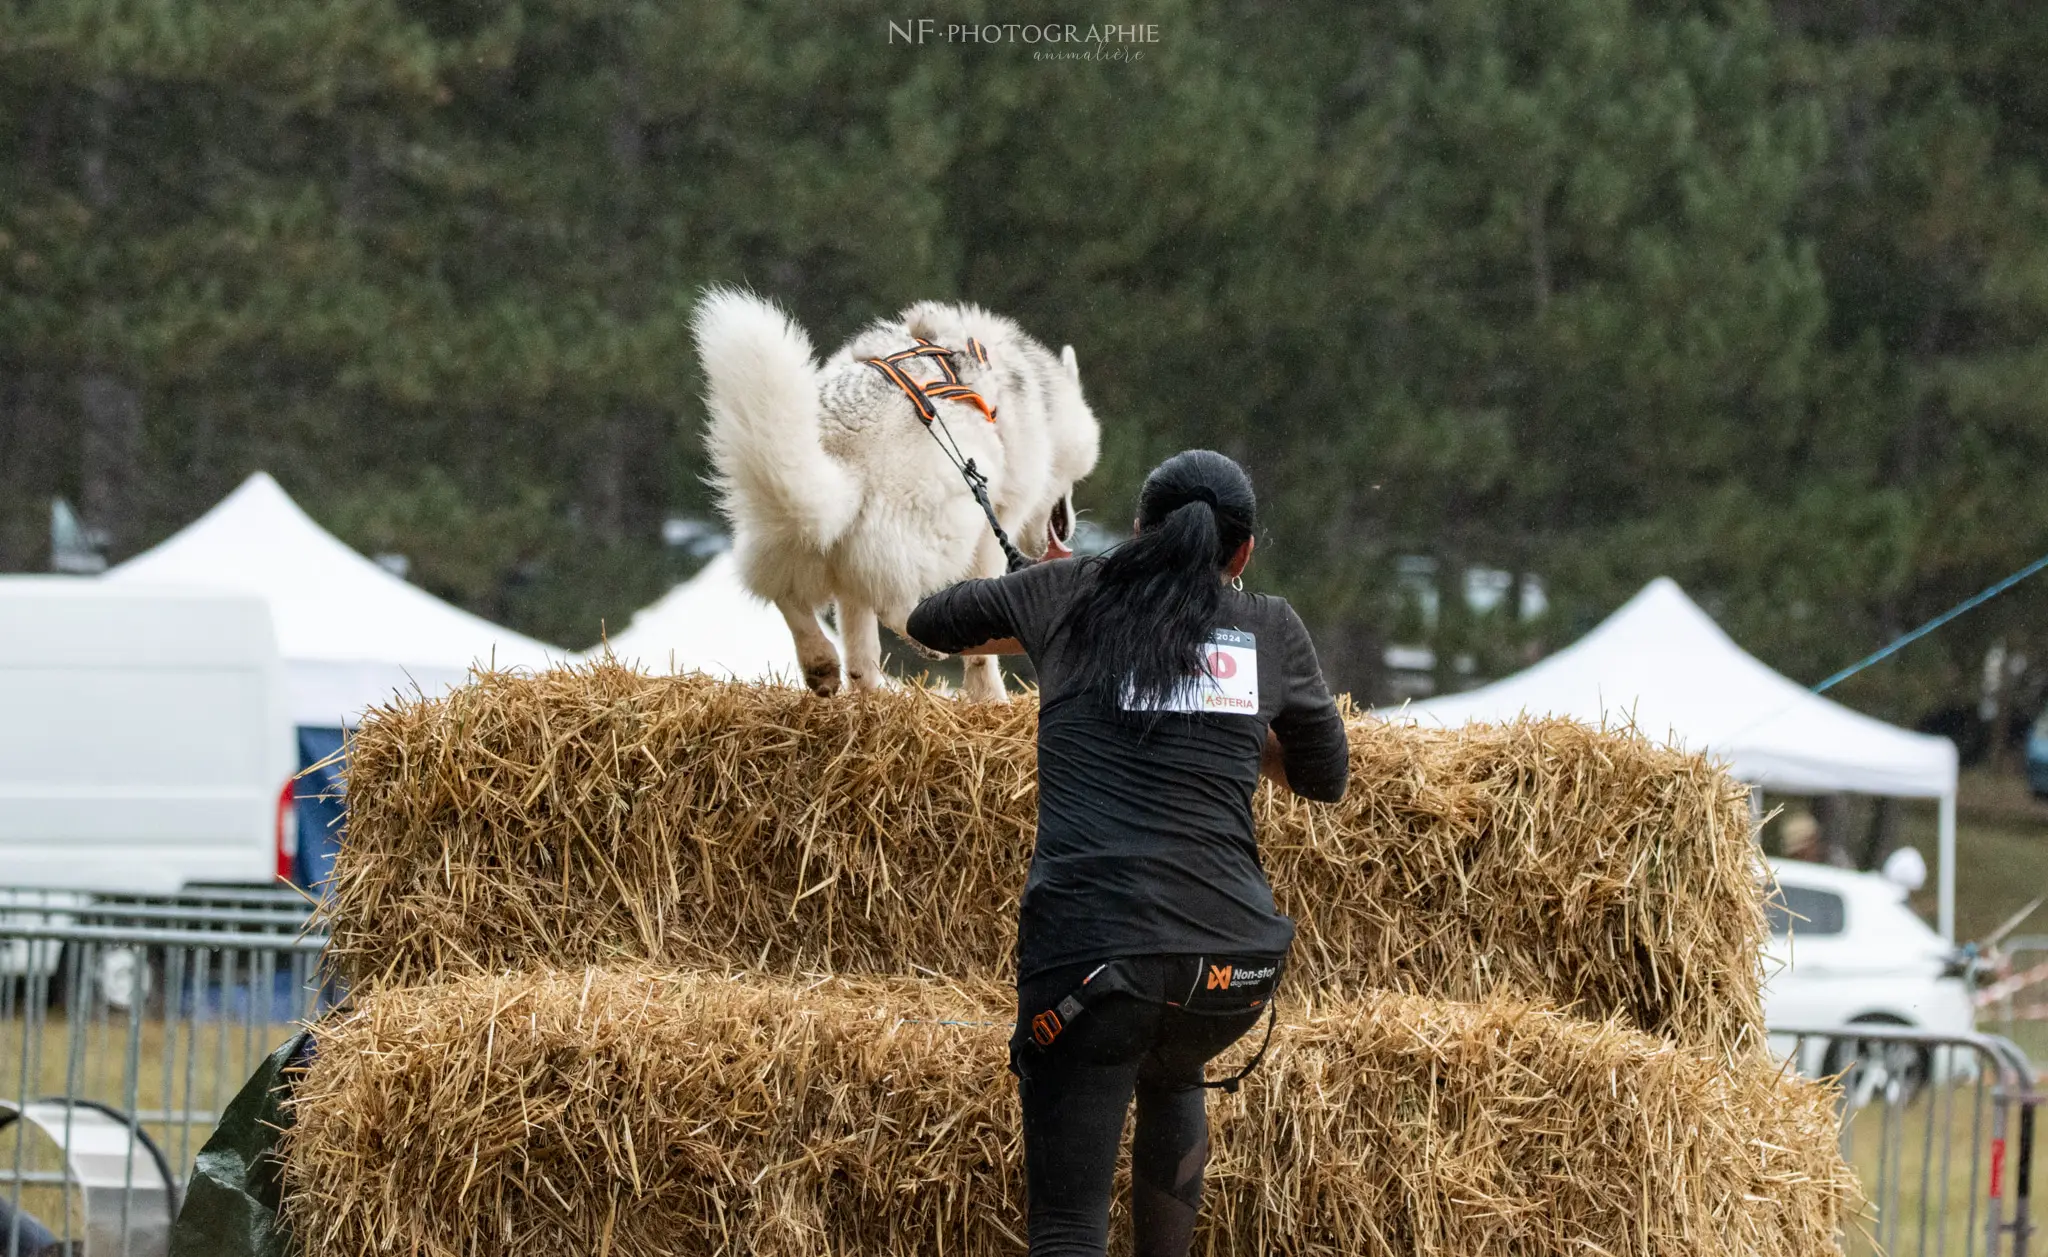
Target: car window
(1805,912)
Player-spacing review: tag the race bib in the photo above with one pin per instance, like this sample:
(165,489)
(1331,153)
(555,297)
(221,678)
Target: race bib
(1232,685)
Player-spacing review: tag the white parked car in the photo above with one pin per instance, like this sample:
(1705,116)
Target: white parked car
(1845,949)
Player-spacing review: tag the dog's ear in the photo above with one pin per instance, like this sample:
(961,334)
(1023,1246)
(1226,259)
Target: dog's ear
(1072,363)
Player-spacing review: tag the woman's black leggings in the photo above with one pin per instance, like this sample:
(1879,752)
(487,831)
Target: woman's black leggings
(1075,1092)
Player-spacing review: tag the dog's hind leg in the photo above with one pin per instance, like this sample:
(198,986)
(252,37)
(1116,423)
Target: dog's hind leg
(814,651)
(983,680)
(861,633)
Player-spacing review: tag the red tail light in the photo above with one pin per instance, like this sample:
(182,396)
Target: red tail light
(287,833)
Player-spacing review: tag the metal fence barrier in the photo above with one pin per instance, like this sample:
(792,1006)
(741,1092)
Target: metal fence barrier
(126,1026)
(1940,1129)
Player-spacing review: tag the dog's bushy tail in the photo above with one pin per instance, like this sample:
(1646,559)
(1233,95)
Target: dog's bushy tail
(763,433)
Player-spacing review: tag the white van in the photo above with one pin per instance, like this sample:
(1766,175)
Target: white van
(144,741)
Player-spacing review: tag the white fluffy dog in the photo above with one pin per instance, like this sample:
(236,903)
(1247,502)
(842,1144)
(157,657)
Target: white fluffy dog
(836,490)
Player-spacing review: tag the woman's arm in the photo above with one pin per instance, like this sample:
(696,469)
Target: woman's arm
(1307,737)
(998,615)
(1312,755)
(973,617)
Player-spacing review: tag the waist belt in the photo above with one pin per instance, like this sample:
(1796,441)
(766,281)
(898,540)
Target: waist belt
(1111,978)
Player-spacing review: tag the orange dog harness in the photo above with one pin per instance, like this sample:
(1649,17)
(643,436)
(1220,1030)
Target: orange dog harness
(923,396)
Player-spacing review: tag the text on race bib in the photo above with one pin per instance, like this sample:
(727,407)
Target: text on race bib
(1232,657)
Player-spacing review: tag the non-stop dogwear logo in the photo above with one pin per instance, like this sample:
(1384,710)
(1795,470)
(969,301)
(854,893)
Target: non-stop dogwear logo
(1224,977)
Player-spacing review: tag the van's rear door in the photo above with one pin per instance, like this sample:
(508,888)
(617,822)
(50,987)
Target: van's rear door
(142,736)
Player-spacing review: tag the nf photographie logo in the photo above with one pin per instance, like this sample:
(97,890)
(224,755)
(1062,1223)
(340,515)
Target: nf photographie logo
(1048,41)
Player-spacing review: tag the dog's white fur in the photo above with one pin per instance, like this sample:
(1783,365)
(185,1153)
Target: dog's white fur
(835,490)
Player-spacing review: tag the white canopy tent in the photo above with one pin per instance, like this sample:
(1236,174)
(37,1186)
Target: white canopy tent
(1663,664)
(351,633)
(710,623)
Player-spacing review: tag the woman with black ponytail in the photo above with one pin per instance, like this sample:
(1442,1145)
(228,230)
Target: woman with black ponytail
(1147,940)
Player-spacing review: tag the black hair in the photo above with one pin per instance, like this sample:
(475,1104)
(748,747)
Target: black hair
(1141,624)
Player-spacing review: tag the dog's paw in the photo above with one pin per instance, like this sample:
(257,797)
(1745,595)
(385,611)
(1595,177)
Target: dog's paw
(983,682)
(822,678)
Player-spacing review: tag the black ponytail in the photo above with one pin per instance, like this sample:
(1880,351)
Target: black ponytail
(1141,624)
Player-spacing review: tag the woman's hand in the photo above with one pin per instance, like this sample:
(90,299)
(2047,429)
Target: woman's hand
(999,646)
(1271,764)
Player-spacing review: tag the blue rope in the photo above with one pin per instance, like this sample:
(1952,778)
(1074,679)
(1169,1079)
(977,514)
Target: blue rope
(1933,624)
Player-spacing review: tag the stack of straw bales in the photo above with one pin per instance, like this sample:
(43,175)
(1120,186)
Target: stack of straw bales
(592,816)
(661,1113)
(680,966)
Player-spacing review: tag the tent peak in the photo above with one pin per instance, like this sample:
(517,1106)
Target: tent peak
(259,484)
(1660,619)
(1665,592)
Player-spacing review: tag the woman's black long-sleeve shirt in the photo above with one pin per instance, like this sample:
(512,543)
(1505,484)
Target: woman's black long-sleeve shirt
(1145,842)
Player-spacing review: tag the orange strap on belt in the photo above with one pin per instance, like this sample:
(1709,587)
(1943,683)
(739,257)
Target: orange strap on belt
(949,389)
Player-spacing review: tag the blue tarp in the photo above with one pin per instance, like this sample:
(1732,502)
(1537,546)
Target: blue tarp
(317,796)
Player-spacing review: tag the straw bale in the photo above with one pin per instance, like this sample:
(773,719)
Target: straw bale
(634,1112)
(595,815)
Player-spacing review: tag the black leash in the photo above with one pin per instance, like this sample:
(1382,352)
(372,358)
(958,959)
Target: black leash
(977,484)
(1230,1085)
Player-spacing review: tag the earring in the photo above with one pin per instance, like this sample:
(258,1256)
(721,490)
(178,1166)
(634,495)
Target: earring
(1237,583)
